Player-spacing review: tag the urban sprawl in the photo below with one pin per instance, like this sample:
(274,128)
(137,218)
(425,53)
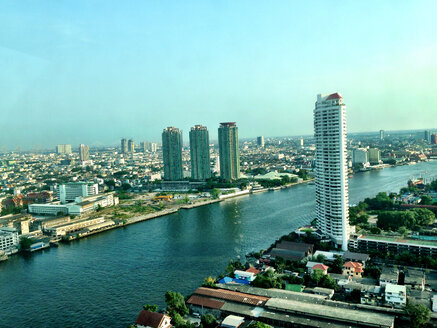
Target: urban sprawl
(371,264)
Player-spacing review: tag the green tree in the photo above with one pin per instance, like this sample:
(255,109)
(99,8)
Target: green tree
(150,307)
(208,321)
(426,200)
(25,243)
(419,314)
(209,282)
(258,324)
(175,303)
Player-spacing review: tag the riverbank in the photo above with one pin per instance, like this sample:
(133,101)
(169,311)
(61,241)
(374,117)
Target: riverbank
(143,261)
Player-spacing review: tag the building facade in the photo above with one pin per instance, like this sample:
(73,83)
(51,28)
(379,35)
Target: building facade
(332,200)
(229,151)
(172,154)
(374,155)
(84,153)
(360,156)
(63,149)
(199,153)
(8,239)
(69,191)
(130,146)
(123,146)
(260,141)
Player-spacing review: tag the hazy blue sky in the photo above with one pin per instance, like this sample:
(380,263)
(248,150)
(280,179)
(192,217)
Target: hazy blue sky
(94,71)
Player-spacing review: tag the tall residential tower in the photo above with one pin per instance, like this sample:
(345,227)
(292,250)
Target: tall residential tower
(199,152)
(172,154)
(332,199)
(229,151)
(123,146)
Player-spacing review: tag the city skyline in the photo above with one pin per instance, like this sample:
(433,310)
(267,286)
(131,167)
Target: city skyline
(212,62)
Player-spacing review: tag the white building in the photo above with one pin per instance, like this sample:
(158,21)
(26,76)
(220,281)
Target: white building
(48,209)
(244,275)
(395,295)
(332,199)
(360,156)
(69,191)
(8,239)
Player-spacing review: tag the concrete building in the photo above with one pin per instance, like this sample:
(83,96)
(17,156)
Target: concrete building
(332,199)
(427,135)
(260,141)
(395,295)
(8,239)
(359,156)
(48,209)
(131,146)
(63,149)
(433,139)
(153,147)
(229,151)
(69,191)
(374,155)
(84,153)
(172,154)
(381,134)
(199,153)
(123,146)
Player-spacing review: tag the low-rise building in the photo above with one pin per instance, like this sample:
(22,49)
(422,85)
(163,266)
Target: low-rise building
(372,295)
(353,269)
(244,275)
(8,239)
(153,320)
(388,276)
(414,279)
(395,295)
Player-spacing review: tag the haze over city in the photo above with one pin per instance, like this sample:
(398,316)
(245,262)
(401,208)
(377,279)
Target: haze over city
(92,72)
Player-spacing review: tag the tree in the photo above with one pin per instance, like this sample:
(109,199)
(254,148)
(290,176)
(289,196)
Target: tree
(25,243)
(209,282)
(208,321)
(150,307)
(419,314)
(258,324)
(426,200)
(175,303)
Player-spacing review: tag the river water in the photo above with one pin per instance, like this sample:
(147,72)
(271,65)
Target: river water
(104,280)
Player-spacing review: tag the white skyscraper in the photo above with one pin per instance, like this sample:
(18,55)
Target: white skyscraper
(332,199)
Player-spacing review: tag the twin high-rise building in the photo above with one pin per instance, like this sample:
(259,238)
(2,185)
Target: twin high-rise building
(63,149)
(229,151)
(172,154)
(332,199)
(199,153)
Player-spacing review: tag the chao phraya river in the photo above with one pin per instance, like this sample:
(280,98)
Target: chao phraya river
(103,280)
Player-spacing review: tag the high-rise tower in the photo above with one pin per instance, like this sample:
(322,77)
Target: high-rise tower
(123,146)
(229,151)
(332,199)
(130,146)
(172,154)
(84,153)
(199,153)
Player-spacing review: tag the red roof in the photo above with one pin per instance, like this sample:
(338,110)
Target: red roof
(253,270)
(321,267)
(206,302)
(358,267)
(334,96)
(150,319)
(228,295)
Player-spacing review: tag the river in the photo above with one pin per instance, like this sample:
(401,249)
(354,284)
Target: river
(104,280)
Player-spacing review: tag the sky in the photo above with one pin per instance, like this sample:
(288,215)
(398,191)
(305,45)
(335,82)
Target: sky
(94,71)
